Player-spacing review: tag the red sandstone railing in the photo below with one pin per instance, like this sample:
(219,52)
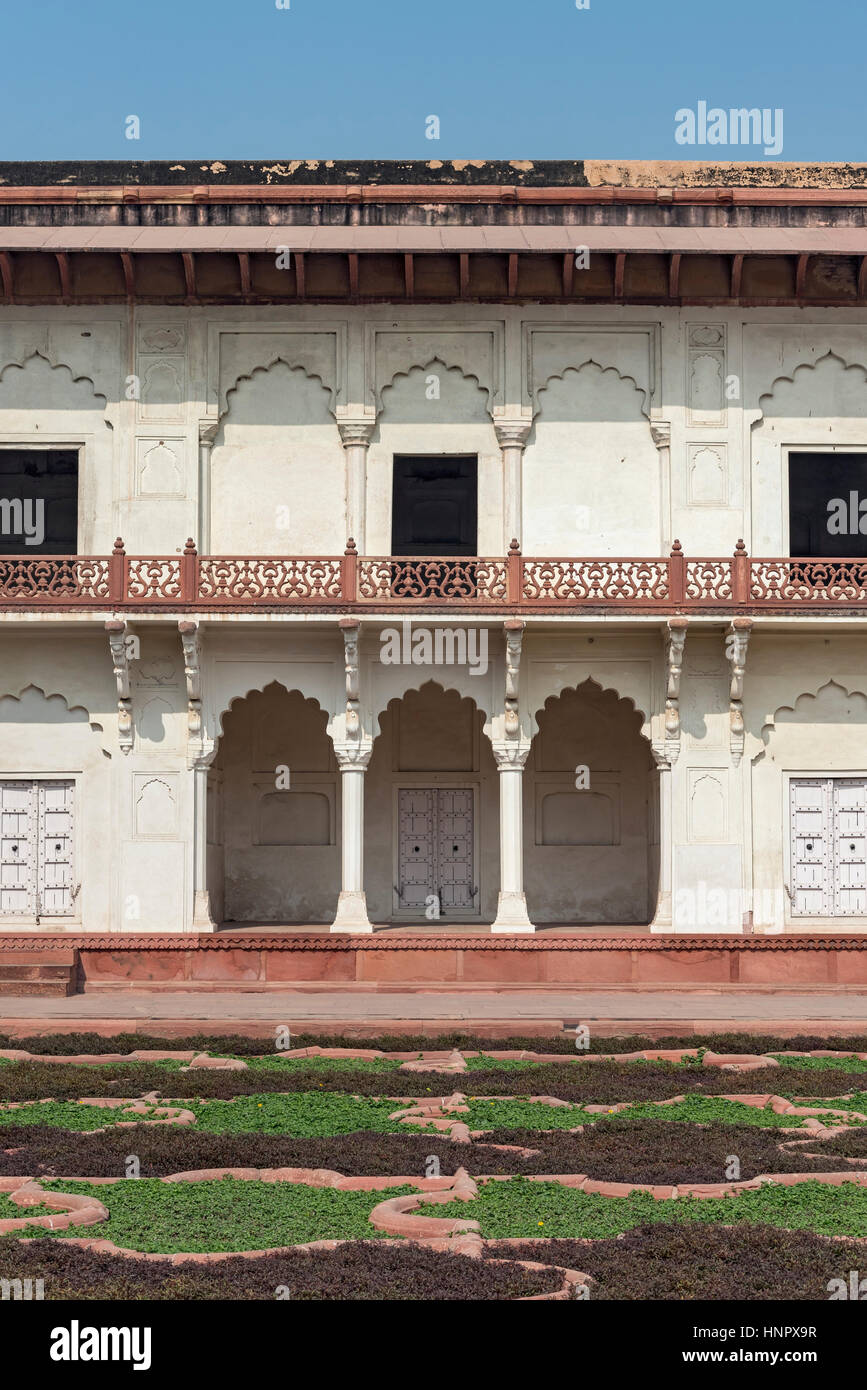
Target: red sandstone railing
(391,583)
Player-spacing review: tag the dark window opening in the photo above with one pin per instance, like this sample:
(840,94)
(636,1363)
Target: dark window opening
(434,506)
(38,501)
(434,513)
(828,505)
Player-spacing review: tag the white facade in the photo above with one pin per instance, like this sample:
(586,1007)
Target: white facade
(597,431)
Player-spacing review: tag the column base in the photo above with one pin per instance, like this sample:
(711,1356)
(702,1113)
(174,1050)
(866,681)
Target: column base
(512,915)
(202,919)
(352,914)
(662,919)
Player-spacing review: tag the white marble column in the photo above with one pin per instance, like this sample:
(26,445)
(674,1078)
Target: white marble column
(202,919)
(663,917)
(355,435)
(512,437)
(352,903)
(207,435)
(511,756)
(661,433)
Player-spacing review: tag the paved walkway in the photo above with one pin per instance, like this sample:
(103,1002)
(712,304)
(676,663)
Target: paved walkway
(487,1012)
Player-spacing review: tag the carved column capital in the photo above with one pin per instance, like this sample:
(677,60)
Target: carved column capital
(510,754)
(661,758)
(208,432)
(660,431)
(512,434)
(356,431)
(353,756)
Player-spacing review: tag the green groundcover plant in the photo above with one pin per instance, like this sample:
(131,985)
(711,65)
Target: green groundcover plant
(225,1214)
(521,1207)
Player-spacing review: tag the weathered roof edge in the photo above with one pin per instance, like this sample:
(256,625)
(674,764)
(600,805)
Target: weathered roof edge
(456,173)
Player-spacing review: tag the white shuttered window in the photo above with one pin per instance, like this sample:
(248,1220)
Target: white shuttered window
(828,818)
(36,841)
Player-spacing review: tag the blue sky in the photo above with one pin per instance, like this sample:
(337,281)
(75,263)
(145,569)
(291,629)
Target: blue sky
(351,79)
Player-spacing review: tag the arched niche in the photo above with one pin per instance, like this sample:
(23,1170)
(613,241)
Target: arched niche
(434,409)
(590,852)
(431,748)
(273,852)
(591,482)
(277,468)
(819,407)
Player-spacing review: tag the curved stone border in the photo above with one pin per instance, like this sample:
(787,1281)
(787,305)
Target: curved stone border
(431,1232)
(441,1060)
(148,1106)
(432,1114)
(74,1209)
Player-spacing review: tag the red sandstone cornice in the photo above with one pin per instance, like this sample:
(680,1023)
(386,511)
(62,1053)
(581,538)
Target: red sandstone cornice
(428,194)
(325,941)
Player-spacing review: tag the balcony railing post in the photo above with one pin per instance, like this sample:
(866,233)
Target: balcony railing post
(740,575)
(349,572)
(189,573)
(677,575)
(117,573)
(514,572)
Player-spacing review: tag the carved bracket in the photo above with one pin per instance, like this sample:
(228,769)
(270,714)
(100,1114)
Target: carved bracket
(191,640)
(675,641)
(737,641)
(351,631)
(117,641)
(514,630)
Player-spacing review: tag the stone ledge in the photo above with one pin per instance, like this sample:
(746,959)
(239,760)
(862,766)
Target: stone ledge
(292,941)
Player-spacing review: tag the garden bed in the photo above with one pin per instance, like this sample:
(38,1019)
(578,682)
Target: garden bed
(461,1161)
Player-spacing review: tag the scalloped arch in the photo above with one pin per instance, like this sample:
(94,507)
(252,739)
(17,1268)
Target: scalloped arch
(407,371)
(22,362)
(642,715)
(417,690)
(261,690)
(579,367)
(802,699)
(802,369)
(288,360)
(48,696)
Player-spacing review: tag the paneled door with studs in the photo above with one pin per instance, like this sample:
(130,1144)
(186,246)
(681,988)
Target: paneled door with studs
(36,838)
(435,851)
(829,846)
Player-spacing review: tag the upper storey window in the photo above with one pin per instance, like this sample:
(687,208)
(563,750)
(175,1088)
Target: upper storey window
(38,501)
(434,505)
(827,505)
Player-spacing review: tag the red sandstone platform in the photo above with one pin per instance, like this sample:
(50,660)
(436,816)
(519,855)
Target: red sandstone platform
(487,1014)
(459,961)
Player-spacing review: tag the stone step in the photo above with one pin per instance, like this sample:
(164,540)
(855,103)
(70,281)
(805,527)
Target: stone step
(57,956)
(18,989)
(49,973)
(37,970)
